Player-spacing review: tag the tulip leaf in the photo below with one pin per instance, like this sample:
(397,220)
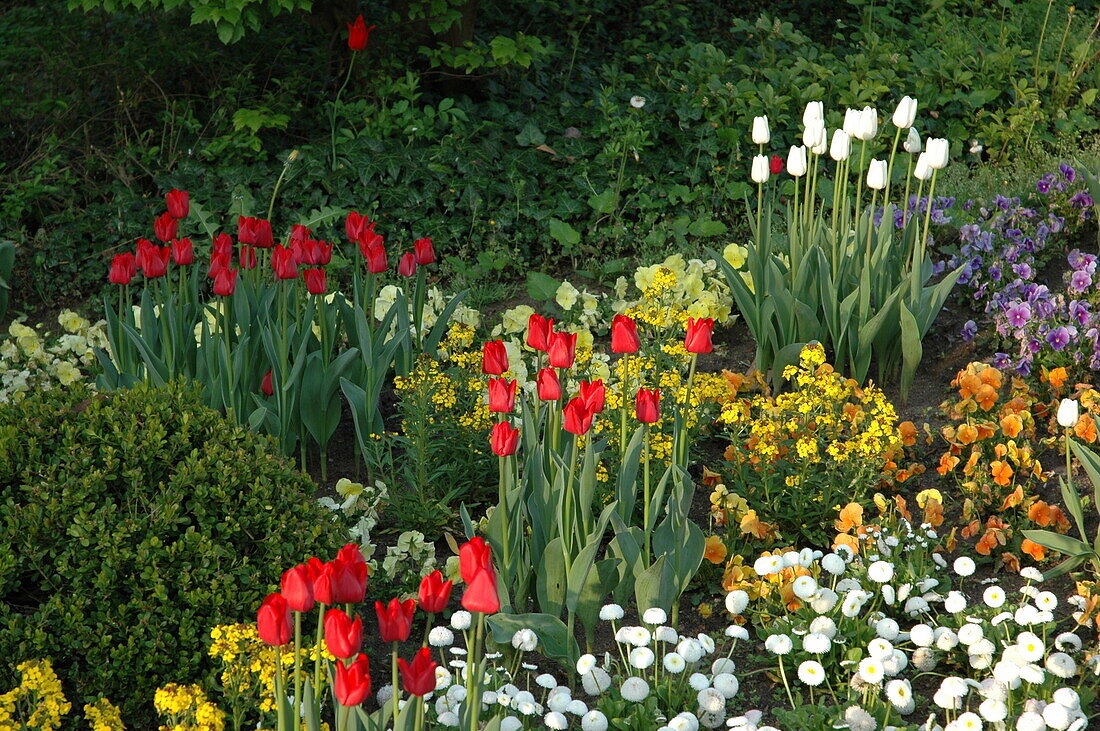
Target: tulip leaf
(554,638)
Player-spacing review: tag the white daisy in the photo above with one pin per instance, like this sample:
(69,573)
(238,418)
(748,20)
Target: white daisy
(811,673)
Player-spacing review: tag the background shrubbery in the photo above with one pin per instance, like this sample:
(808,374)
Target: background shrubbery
(507,136)
(130,524)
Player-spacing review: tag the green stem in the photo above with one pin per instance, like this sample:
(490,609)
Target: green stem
(503,507)
(645,494)
(393,679)
(275,190)
(890,171)
(318,651)
(280,696)
(298,659)
(332,116)
(786,686)
(473,695)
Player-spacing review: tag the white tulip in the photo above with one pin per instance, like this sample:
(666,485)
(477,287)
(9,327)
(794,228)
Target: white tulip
(760,169)
(851,121)
(876,175)
(815,112)
(923,171)
(937,153)
(1067,413)
(761,134)
(912,141)
(796,161)
(841,146)
(905,113)
(868,124)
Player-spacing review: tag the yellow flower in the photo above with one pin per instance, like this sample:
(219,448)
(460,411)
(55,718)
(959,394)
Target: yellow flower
(924,495)
(566,296)
(736,255)
(515,320)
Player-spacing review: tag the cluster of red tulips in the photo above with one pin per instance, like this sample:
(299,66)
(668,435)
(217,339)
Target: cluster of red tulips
(343,581)
(560,352)
(302,253)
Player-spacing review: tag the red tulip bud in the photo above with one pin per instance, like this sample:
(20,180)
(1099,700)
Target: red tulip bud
(418,677)
(225,282)
(375,254)
(178,202)
(183,252)
(562,349)
(296,585)
(425,253)
(165,227)
(481,593)
(504,439)
(283,264)
(473,555)
(538,331)
(395,619)
(247,257)
(502,395)
(624,335)
(123,268)
(315,281)
(273,621)
(548,385)
(358,34)
(343,637)
(268,390)
(407,266)
(776,165)
(578,419)
(352,682)
(594,395)
(698,338)
(223,245)
(494,358)
(647,405)
(435,592)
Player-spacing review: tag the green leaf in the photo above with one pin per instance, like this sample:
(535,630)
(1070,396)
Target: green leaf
(707,227)
(541,286)
(530,135)
(603,202)
(564,234)
(554,638)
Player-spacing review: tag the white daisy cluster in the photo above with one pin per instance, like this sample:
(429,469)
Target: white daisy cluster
(32,360)
(652,656)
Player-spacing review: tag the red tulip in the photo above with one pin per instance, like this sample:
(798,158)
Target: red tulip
(358,34)
(418,677)
(356,226)
(223,244)
(349,576)
(407,266)
(494,358)
(225,282)
(624,335)
(473,556)
(178,202)
(562,349)
(343,637)
(502,395)
(183,252)
(218,262)
(322,580)
(315,281)
(269,390)
(578,419)
(395,619)
(353,682)
(647,405)
(299,234)
(425,253)
(594,394)
(504,439)
(283,264)
(273,621)
(152,259)
(254,231)
(538,331)
(165,227)
(435,592)
(123,268)
(481,593)
(375,254)
(322,253)
(296,585)
(698,338)
(776,165)
(548,385)
(247,257)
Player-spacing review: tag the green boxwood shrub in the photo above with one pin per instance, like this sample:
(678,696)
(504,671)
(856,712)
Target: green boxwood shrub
(130,524)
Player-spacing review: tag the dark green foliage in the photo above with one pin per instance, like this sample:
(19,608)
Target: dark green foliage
(132,523)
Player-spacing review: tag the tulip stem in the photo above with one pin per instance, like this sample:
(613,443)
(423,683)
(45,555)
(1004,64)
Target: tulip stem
(890,171)
(504,516)
(624,388)
(332,118)
(280,696)
(473,695)
(686,409)
(393,679)
(317,652)
(645,492)
(298,660)
(275,190)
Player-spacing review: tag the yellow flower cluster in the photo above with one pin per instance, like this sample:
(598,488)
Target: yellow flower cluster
(33,360)
(452,387)
(187,709)
(825,416)
(37,702)
(103,716)
(248,664)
